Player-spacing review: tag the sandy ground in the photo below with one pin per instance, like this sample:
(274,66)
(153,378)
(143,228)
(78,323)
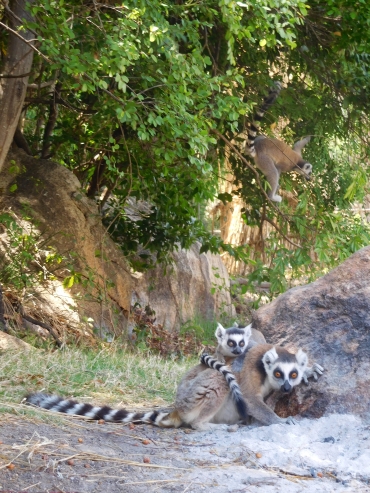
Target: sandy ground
(331,454)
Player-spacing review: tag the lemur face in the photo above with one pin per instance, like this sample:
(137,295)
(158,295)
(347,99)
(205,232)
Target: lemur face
(233,342)
(286,371)
(305,169)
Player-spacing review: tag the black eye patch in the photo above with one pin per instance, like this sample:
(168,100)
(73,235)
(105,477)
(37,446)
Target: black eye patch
(241,343)
(231,343)
(293,374)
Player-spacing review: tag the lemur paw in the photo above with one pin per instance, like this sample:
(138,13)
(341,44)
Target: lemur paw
(315,371)
(276,198)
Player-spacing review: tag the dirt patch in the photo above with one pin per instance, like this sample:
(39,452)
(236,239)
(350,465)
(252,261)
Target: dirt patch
(85,456)
(81,456)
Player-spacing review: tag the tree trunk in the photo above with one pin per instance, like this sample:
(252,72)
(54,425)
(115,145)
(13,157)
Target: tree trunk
(16,69)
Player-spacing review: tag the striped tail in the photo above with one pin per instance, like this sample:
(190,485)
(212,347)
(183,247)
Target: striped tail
(69,406)
(255,125)
(236,393)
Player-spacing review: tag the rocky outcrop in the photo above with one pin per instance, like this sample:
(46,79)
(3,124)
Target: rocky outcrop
(196,285)
(330,318)
(50,195)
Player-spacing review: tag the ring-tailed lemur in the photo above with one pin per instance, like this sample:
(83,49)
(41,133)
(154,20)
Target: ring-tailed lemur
(232,343)
(273,156)
(271,368)
(203,396)
(267,368)
(70,406)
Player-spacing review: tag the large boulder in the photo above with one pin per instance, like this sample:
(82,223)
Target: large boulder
(195,286)
(66,219)
(330,318)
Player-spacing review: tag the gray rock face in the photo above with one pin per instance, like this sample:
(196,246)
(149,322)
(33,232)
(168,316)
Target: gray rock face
(196,285)
(330,319)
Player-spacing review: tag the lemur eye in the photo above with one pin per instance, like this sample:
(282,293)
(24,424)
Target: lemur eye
(277,374)
(294,375)
(241,343)
(231,343)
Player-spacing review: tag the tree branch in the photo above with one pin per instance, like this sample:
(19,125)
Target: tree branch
(41,324)
(42,85)
(3,324)
(265,218)
(21,141)
(2,76)
(28,42)
(49,127)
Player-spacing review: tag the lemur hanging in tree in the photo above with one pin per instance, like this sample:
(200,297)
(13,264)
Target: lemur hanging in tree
(272,156)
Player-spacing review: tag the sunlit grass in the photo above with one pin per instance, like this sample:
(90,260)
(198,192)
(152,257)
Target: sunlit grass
(110,376)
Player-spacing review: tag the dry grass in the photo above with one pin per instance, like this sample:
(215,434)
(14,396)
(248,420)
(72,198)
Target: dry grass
(113,376)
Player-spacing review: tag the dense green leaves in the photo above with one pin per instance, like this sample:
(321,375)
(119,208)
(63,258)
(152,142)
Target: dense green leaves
(129,97)
(141,86)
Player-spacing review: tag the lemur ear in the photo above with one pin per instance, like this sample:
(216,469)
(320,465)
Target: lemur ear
(220,332)
(270,357)
(301,357)
(248,330)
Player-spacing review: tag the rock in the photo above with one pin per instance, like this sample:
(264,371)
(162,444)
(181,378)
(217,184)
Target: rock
(9,343)
(69,221)
(330,319)
(196,285)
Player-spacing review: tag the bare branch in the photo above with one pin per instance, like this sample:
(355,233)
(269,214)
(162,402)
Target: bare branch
(45,326)
(267,219)
(3,76)
(21,142)
(42,85)
(28,42)
(3,324)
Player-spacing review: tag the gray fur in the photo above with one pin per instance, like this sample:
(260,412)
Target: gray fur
(273,156)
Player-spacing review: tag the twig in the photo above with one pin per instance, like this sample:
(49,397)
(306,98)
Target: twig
(103,458)
(3,324)
(32,485)
(265,218)
(188,486)
(42,324)
(151,481)
(29,43)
